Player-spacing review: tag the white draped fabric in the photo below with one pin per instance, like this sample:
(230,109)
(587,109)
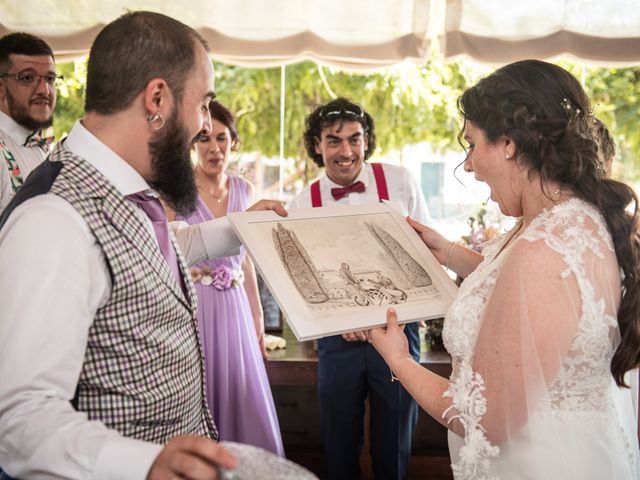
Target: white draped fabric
(502,31)
(358,34)
(349,33)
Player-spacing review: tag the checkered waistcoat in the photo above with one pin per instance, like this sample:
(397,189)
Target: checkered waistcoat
(143,367)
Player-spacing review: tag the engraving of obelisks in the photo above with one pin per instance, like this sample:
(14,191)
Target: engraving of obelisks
(298,264)
(412,270)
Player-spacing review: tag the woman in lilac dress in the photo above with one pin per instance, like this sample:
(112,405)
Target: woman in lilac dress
(229,309)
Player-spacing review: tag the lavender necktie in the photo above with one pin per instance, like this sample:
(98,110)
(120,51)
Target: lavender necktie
(153,208)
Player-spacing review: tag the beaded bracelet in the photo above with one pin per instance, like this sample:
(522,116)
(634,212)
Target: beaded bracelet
(446,264)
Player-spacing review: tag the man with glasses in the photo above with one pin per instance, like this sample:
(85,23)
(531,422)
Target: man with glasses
(340,136)
(27,100)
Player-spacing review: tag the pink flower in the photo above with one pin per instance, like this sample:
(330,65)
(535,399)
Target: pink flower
(222,277)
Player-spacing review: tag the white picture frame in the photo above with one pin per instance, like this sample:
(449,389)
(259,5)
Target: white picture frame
(387,263)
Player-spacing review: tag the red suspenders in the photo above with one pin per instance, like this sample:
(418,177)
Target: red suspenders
(381,181)
(381,184)
(316,199)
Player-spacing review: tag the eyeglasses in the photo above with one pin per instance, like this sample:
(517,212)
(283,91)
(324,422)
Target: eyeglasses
(341,112)
(27,79)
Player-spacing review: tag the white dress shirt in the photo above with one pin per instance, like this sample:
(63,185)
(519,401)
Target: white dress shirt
(53,279)
(27,158)
(404,192)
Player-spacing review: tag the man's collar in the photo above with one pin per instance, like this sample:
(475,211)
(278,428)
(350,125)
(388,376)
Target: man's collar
(122,175)
(12,128)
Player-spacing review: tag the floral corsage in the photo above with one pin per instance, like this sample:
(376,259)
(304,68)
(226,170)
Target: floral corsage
(221,278)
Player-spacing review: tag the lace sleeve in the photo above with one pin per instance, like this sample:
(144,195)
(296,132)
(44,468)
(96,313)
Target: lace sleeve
(529,322)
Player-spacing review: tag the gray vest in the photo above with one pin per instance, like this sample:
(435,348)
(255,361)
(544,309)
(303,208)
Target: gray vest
(143,371)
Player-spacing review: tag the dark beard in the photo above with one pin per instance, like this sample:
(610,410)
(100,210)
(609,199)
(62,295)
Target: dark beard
(171,167)
(21,116)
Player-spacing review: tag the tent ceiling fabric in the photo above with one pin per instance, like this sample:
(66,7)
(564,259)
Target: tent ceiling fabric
(348,33)
(358,33)
(501,31)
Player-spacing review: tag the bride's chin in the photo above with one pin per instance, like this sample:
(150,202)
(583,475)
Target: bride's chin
(508,210)
(503,210)
(501,205)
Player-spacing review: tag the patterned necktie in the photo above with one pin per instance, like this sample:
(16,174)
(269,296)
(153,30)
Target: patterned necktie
(153,208)
(12,165)
(35,139)
(340,192)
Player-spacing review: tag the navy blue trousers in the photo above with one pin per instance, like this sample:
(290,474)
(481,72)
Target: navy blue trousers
(349,372)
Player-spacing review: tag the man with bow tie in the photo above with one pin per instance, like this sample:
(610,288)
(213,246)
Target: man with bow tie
(27,100)
(340,136)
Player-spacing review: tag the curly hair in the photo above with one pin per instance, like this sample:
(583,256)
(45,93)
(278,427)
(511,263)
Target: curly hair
(543,109)
(338,110)
(223,115)
(606,144)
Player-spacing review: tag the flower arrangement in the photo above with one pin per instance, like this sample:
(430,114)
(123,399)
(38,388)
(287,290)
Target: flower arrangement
(220,278)
(482,228)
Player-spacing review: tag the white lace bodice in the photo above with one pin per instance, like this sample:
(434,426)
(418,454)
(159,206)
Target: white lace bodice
(583,384)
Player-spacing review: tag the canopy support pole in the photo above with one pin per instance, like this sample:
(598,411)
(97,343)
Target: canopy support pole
(282,105)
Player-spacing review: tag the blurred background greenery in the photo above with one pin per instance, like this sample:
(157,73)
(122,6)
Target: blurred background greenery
(410,103)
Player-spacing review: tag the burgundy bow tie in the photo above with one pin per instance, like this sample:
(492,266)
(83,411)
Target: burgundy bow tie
(340,192)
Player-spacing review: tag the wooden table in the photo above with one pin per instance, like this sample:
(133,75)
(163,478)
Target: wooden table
(293,376)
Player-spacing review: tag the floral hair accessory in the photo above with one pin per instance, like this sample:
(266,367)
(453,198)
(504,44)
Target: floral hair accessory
(569,108)
(221,278)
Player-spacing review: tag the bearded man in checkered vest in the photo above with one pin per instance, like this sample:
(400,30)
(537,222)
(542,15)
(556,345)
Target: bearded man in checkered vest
(101,367)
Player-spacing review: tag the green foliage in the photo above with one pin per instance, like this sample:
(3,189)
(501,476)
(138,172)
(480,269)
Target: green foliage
(70,103)
(410,103)
(615,94)
(615,99)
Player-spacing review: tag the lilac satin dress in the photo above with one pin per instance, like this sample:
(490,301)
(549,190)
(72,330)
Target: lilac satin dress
(237,386)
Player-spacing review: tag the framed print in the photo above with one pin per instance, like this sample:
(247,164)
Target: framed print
(337,269)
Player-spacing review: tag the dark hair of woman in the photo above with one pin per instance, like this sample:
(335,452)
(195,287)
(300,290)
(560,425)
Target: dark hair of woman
(605,140)
(223,115)
(543,109)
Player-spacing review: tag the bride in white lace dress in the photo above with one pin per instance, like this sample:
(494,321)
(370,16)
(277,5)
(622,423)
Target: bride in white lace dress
(547,324)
